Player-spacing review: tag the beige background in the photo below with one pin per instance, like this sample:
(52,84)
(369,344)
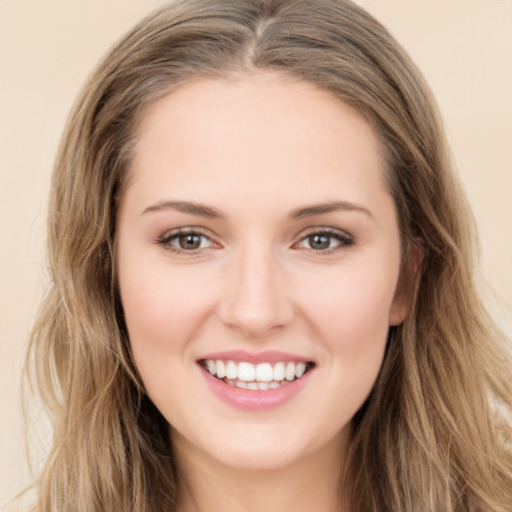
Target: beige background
(47,47)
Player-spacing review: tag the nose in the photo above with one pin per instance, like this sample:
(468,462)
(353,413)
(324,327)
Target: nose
(255,300)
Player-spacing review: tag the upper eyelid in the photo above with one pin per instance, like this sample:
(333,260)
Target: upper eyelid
(324,230)
(184,231)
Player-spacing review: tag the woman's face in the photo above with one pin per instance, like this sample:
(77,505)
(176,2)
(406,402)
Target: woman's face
(257,241)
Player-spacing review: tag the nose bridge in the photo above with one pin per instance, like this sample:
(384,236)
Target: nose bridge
(255,300)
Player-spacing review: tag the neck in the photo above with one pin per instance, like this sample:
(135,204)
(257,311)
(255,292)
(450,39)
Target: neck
(312,483)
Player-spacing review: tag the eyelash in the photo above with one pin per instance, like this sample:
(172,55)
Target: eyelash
(167,239)
(343,240)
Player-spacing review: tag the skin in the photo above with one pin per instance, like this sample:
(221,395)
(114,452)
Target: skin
(256,149)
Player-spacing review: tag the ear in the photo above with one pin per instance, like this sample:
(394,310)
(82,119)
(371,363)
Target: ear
(402,300)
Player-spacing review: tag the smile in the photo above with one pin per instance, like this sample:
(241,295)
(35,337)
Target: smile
(260,376)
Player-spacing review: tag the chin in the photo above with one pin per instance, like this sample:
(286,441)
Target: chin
(268,448)
(259,458)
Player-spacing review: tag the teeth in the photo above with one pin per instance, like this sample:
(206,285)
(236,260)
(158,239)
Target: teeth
(300,369)
(279,371)
(221,369)
(246,371)
(254,384)
(211,367)
(290,371)
(264,373)
(231,370)
(261,376)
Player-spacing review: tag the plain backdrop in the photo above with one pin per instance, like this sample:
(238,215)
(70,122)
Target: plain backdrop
(48,47)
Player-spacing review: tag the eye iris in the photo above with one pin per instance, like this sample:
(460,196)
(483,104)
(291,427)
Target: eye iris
(189,241)
(319,242)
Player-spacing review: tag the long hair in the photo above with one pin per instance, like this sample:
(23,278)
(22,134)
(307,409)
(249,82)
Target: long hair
(433,435)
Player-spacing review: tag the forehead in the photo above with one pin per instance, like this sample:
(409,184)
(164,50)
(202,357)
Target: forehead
(259,134)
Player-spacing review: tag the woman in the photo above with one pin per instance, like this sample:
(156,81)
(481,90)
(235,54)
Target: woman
(261,268)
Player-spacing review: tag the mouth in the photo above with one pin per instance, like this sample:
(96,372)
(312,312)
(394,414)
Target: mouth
(261,376)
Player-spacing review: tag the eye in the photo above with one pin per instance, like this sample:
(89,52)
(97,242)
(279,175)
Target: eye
(325,241)
(185,241)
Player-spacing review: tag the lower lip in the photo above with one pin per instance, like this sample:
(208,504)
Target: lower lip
(255,399)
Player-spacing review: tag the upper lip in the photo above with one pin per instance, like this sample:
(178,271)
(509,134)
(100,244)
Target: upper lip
(269,356)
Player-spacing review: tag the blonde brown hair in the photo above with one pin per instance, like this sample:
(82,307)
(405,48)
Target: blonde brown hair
(433,435)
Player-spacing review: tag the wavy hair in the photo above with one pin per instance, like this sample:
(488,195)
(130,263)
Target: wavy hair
(434,434)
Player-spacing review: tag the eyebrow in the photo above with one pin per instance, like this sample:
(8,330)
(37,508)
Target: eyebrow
(328,207)
(198,209)
(202,210)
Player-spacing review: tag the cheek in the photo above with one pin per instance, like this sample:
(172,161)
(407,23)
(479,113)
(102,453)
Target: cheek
(350,317)
(162,309)
(352,310)
(163,313)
